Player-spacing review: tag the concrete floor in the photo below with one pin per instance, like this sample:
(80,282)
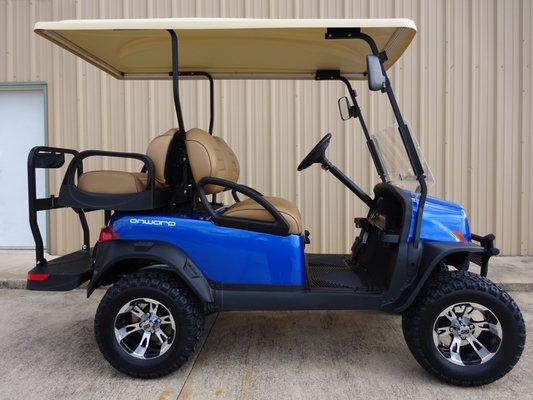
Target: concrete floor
(48,351)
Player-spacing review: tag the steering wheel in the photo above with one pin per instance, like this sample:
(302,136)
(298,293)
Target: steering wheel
(317,154)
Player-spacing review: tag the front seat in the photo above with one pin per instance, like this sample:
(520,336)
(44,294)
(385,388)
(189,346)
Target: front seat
(122,182)
(210,156)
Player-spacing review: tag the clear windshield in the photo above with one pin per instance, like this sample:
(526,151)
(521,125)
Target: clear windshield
(395,161)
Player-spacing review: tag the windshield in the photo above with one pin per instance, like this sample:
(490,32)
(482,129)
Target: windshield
(391,151)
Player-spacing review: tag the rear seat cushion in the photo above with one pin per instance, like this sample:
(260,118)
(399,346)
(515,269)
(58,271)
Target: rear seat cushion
(114,182)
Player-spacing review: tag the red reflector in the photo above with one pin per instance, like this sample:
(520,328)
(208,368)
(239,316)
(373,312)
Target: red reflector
(37,277)
(106,234)
(459,236)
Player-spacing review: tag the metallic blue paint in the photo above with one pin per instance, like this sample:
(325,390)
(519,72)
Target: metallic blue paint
(224,255)
(439,220)
(236,256)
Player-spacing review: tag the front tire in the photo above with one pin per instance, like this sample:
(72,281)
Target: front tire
(148,325)
(464,329)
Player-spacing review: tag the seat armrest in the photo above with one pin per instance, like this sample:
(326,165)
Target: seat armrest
(76,165)
(278,227)
(234,194)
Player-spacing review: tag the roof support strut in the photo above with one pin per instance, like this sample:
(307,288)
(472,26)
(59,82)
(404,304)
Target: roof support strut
(176,90)
(211,93)
(403,129)
(175,80)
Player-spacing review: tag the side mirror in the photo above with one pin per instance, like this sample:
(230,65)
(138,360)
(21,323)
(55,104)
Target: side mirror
(345,108)
(376,79)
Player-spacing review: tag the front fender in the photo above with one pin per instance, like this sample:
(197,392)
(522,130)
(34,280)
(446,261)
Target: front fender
(455,253)
(108,254)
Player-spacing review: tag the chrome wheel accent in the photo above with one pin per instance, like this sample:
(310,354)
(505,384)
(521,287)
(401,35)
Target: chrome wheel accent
(144,328)
(467,334)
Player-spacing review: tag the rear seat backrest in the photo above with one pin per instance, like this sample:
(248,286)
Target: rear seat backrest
(211,156)
(157,151)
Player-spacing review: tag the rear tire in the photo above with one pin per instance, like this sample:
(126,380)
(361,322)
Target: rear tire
(148,325)
(464,330)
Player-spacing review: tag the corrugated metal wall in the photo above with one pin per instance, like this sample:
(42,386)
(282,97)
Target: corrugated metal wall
(465,86)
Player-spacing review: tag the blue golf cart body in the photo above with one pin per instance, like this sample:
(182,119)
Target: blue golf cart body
(244,257)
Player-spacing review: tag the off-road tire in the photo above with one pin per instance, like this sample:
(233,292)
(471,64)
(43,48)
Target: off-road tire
(166,289)
(449,287)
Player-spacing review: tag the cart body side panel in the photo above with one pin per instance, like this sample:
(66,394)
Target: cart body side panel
(442,220)
(225,256)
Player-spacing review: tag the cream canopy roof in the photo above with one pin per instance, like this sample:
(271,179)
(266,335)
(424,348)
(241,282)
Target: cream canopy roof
(227,48)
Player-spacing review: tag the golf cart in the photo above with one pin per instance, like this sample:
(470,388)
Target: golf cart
(171,252)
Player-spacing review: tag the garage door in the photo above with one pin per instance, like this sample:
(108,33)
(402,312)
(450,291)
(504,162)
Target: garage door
(22,126)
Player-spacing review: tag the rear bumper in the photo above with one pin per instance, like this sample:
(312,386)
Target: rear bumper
(482,259)
(61,274)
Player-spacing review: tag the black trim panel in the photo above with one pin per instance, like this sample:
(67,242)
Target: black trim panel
(161,254)
(254,287)
(233,300)
(432,254)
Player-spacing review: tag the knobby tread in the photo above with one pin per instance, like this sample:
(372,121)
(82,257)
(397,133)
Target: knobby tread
(442,284)
(171,286)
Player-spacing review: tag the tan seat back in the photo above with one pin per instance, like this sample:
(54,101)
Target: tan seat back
(211,156)
(157,151)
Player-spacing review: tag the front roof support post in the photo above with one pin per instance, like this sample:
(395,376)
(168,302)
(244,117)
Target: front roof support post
(405,134)
(412,153)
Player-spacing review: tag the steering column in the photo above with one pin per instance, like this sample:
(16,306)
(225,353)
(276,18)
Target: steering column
(318,155)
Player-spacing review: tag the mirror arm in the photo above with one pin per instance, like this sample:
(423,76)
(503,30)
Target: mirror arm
(356,110)
(351,90)
(370,143)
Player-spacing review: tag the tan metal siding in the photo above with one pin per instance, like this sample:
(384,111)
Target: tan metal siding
(465,86)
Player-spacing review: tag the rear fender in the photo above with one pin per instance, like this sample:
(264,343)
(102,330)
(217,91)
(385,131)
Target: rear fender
(454,253)
(152,254)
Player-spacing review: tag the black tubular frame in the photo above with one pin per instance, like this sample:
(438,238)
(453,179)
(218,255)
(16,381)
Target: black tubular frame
(277,227)
(175,81)
(147,199)
(405,134)
(177,168)
(336,75)
(211,93)
(45,157)
(77,164)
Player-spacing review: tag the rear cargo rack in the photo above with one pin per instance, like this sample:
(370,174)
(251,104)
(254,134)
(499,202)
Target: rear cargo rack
(63,273)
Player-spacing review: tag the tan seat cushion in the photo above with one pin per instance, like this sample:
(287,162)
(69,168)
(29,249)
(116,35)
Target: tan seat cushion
(252,210)
(211,156)
(122,182)
(114,182)
(157,151)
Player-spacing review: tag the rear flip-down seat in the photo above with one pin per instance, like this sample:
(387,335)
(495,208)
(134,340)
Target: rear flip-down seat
(120,190)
